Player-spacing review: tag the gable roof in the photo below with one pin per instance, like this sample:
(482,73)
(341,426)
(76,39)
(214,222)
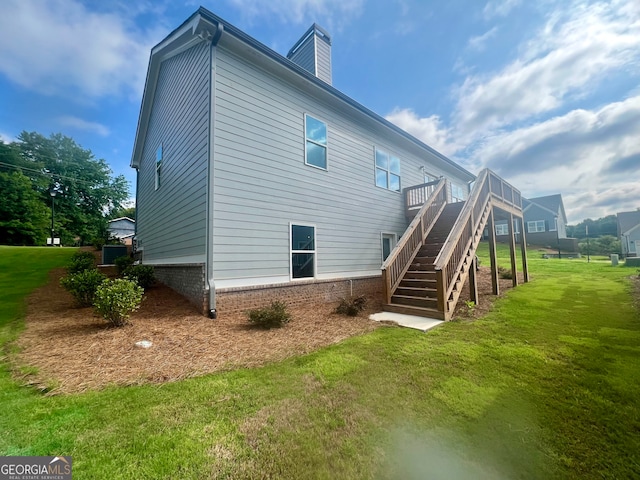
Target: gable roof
(122,218)
(552,203)
(628,221)
(204,25)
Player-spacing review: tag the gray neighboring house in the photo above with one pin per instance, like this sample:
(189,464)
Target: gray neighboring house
(545,221)
(629,233)
(255,175)
(123,228)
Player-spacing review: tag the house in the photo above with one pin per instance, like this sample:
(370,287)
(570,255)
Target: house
(122,228)
(257,179)
(629,233)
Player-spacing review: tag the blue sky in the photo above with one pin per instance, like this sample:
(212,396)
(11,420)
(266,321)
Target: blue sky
(545,93)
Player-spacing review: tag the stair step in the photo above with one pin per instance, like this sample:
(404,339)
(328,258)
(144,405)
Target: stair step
(416,292)
(420,274)
(414,301)
(429,283)
(409,310)
(425,267)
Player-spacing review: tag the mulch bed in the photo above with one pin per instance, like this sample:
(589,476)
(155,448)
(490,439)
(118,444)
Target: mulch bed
(74,350)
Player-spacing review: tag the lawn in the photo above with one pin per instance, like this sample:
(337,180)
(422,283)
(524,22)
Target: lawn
(545,386)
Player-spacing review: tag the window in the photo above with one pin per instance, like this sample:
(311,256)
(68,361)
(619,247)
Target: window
(158,166)
(388,243)
(536,226)
(457,193)
(387,171)
(555,225)
(315,149)
(303,251)
(502,229)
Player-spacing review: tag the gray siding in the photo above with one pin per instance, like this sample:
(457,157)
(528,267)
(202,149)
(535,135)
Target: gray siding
(323,66)
(261,182)
(172,220)
(305,55)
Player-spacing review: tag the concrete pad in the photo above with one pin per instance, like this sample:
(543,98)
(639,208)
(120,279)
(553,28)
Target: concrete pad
(409,321)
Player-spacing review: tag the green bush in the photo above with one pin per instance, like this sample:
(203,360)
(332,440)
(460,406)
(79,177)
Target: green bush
(81,261)
(351,306)
(116,299)
(83,285)
(122,263)
(141,274)
(275,315)
(505,273)
(98,243)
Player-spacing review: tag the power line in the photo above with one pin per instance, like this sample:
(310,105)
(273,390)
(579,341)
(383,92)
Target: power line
(52,175)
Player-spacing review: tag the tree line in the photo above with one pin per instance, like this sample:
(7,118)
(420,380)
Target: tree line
(85,192)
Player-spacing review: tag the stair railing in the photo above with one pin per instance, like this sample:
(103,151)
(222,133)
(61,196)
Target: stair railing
(465,233)
(400,258)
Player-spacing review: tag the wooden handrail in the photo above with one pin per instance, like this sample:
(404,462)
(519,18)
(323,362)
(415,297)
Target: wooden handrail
(459,242)
(398,262)
(416,196)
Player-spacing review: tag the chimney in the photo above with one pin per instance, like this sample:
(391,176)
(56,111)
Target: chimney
(313,53)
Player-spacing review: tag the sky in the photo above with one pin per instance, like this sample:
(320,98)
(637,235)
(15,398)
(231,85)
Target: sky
(545,93)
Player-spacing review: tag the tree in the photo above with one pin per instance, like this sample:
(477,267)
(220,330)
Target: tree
(86,191)
(602,226)
(23,217)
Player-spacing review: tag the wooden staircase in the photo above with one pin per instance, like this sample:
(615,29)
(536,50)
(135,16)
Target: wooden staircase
(417,293)
(425,273)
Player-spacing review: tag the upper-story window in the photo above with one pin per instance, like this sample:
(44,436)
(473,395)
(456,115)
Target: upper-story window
(387,171)
(315,148)
(535,226)
(158,166)
(457,193)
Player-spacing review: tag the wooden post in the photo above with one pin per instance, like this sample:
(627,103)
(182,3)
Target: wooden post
(512,251)
(387,286)
(523,251)
(440,290)
(492,254)
(473,284)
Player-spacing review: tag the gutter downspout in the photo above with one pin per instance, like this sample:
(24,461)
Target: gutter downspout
(210,284)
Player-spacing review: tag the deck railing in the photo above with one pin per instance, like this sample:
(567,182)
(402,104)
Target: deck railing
(398,262)
(460,242)
(416,196)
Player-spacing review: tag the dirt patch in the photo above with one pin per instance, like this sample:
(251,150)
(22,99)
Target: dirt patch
(74,350)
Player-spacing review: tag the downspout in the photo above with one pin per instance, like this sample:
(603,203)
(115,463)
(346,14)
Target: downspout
(210,284)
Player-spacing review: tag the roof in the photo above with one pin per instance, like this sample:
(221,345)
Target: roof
(552,203)
(628,221)
(122,218)
(199,27)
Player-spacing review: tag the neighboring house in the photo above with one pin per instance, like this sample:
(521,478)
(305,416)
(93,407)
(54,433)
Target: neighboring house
(545,221)
(254,172)
(122,228)
(629,233)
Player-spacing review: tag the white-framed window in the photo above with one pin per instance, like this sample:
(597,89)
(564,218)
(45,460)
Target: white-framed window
(535,226)
(502,229)
(302,245)
(159,155)
(457,193)
(315,144)
(555,225)
(387,170)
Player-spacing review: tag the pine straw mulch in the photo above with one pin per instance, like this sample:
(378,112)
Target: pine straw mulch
(74,350)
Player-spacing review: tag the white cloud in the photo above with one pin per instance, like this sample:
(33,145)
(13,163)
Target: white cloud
(60,47)
(499,8)
(479,43)
(6,138)
(331,12)
(574,51)
(430,129)
(81,124)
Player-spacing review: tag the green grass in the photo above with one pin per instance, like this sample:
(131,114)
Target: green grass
(546,386)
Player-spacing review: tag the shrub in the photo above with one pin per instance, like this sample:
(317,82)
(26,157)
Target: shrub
(505,273)
(351,306)
(116,299)
(141,274)
(81,261)
(98,243)
(275,315)
(122,263)
(83,285)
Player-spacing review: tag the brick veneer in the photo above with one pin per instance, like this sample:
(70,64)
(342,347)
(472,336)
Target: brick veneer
(186,279)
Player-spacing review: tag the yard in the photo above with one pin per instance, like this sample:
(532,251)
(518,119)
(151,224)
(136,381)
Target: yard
(544,386)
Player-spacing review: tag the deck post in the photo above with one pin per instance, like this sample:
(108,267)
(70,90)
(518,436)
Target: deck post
(523,251)
(492,255)
(473,283)
(440,289)
(512,251)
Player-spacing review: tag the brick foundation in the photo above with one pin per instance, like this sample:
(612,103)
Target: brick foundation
(188,280)
(238,300)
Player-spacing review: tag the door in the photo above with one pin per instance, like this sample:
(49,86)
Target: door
(388,243)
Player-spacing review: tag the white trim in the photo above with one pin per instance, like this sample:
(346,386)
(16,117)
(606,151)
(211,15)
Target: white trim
(175,260)
(292,251)
(529,222)
(251,282)
(326,147)
(283,280)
